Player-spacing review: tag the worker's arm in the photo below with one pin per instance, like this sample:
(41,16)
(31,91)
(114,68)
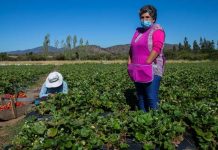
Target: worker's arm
(151,57)
(65,87)
(158,39)
(43,91)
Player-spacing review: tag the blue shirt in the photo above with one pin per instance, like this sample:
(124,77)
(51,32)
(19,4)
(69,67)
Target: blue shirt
(46,91)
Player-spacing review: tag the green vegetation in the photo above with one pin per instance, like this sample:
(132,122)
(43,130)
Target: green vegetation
(204,50)
(16,78)
(96,112)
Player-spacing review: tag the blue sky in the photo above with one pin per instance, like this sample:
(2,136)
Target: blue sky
(24,23)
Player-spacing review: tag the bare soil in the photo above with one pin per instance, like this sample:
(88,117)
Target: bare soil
(9,129)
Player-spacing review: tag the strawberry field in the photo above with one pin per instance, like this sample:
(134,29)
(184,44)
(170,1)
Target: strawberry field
(17,78)
(100,110)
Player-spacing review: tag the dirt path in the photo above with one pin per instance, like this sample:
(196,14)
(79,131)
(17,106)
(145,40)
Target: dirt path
(10,128)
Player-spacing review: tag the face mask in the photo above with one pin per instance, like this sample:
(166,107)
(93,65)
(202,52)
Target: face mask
(146,23)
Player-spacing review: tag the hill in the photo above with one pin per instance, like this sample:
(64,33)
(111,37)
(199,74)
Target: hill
(117,49)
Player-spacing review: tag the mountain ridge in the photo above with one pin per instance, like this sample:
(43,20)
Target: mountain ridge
(116,49)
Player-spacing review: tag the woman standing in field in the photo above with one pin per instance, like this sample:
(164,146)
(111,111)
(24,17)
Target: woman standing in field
(146,60)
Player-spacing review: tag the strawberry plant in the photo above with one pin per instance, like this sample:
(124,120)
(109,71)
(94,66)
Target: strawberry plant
(95,113)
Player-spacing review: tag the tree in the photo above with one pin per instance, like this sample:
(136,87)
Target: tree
(217,45)
(77,55)
(195,46)
(174,48)
(46,44)
(212,44)
(204,44)
(201,43)
(68,42)
(186,46)
(56,44)
(74,41)
(81,42)
(3,56)
(87,42)
(180,47)
(29,56)
(66,52)
(62,43)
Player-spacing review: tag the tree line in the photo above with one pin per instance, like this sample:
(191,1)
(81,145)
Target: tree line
(74,48)
(67,45)
(199,50)
(203,44)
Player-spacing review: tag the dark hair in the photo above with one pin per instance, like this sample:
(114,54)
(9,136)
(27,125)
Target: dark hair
(149,9)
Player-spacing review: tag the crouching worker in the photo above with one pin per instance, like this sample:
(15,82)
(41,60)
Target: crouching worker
(54,84)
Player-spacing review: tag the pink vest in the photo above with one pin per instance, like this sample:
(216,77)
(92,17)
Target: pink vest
(141,46)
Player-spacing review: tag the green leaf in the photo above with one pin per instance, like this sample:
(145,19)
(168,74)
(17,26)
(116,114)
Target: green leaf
(124,145)
(208,136)
(116,125)
(146,119)
(36,144)
(168,145)
(52,132)
(179,128)
(148,146)
(49,143)
(68,144)
(85,132)
(39,127)
(139,136)
(198,131)
(177,113)
(113,138)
